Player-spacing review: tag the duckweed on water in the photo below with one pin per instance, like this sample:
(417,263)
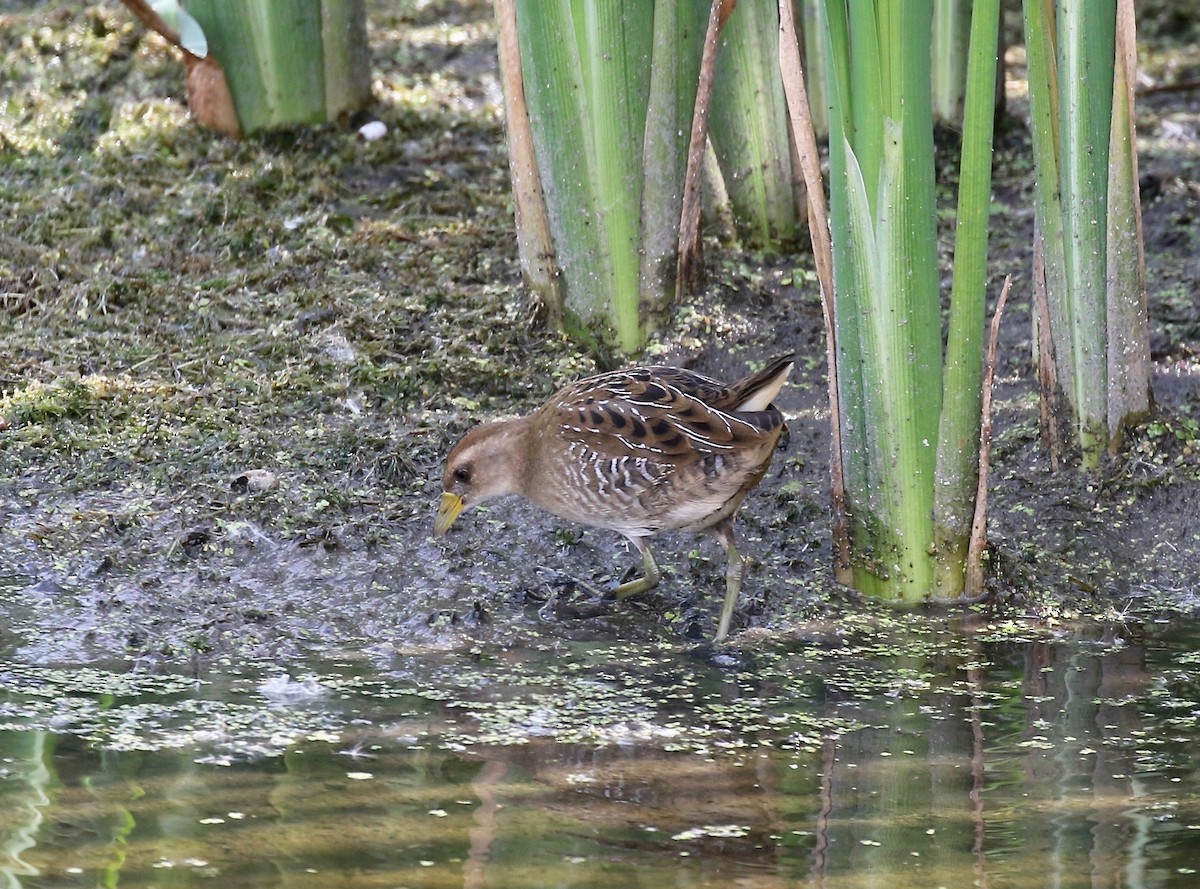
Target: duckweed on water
(493,704)
(794,698)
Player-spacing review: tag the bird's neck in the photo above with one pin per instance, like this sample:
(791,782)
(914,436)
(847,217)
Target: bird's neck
(511,450)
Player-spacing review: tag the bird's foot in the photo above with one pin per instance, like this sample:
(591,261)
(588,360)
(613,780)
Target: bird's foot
(598,601)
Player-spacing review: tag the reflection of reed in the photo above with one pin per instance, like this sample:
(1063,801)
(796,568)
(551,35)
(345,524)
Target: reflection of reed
(979,847)
(905,793)
(1078,758)
(824,812)
(483,834)
(24,757)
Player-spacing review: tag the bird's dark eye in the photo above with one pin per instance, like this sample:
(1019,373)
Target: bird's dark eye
(462,474)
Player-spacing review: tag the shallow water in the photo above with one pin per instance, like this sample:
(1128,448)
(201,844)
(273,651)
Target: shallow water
(909,751)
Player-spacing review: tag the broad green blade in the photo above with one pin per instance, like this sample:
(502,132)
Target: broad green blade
(813,26)
(272,54)
(606,93)
(347,57)
(888,330)
(679,27)
(1087,217)
(552,74)
(748,127)
(958,435)
(1086,50)
(847,290)
(1049,235)
(616,42)
(869,500)
(909,378)
(534,242)
(951,42)
(917,273)
(1128,336)
(864,58)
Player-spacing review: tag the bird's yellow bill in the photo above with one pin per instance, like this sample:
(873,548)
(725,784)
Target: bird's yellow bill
(448,511)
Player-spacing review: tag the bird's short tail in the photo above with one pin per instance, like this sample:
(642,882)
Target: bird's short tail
(757,391)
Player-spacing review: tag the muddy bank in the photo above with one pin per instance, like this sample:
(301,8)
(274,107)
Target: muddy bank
(177,310)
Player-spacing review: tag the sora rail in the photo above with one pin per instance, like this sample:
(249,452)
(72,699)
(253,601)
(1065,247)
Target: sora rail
(637,451)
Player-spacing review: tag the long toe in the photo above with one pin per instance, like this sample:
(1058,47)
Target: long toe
(648,581)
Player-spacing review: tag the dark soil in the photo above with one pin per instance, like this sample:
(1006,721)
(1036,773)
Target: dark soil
(178,311)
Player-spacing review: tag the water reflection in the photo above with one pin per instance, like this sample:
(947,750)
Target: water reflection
(1065,763)
(1002,782)
(24,786)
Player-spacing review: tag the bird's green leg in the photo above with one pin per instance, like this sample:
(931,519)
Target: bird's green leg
(649,579)
(734,568)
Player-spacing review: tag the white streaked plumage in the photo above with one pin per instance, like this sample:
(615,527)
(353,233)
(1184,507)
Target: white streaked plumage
(638,451)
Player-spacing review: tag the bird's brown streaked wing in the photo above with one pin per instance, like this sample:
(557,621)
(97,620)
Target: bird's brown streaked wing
(646,413)
(716,394)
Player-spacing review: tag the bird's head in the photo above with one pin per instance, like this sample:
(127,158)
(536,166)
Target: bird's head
(489,462)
